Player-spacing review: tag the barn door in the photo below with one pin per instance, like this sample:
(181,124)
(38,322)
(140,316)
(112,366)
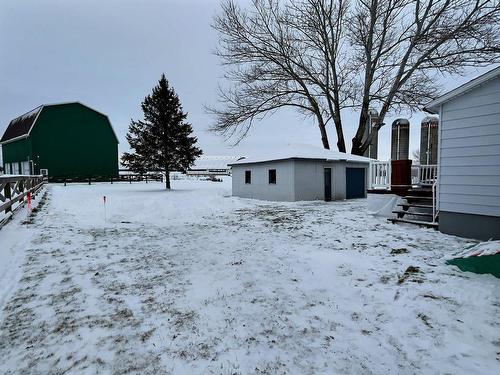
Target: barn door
(328,184)
(354,183)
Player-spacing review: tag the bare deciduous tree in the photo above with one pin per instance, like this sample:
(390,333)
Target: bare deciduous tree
(324,56)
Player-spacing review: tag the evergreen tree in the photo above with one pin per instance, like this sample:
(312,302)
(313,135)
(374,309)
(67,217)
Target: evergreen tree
(163,140)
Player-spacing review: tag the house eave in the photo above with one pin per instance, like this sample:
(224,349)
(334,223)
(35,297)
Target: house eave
(434,106)
(431,110)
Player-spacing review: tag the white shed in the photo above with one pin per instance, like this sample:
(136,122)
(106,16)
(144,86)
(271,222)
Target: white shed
(300,172)
(469,158)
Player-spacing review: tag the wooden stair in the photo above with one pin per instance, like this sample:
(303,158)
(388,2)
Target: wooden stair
(416,209)
(428,224)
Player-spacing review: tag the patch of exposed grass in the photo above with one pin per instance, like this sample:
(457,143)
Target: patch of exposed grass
(34,211)
(399,251)
(410,275)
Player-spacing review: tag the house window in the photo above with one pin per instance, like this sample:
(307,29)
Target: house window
(272,176)
(248,177)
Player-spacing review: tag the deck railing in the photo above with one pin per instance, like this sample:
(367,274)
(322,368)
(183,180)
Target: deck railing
(13,189)
(427,174)
(380,175)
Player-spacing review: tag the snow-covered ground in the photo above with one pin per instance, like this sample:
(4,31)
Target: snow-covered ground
(193,281)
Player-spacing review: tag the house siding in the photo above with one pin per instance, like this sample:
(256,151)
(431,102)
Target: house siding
(469,159)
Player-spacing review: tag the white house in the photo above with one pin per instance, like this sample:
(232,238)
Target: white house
(300,172)
(469,158)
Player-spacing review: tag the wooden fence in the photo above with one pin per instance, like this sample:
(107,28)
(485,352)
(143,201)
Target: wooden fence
(13,189)
(124,176)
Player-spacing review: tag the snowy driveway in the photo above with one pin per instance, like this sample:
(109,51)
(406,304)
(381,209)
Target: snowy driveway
(193,281)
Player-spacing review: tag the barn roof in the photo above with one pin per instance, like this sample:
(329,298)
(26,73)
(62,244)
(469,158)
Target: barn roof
(433,107)
(300,151)
(21,126)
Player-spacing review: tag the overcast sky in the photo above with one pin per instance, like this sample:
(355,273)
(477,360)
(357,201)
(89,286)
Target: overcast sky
(109,54)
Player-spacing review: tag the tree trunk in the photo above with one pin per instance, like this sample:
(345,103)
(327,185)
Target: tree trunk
(167,178)
(357,141)
(324,136)
(340,134)
(357,147)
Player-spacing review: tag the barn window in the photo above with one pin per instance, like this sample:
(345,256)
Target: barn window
(25,168)
(272,176)
(248,177)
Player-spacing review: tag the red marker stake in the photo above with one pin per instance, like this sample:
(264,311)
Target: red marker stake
(28,199)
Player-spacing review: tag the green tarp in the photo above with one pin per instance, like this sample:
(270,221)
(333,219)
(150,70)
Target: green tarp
(479,264)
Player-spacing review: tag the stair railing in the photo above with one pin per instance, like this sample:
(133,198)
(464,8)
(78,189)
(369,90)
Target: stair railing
(435,202)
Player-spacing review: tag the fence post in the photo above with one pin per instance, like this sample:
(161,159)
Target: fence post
(7,195)
(33,183)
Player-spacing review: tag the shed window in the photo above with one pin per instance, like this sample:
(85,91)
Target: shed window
(248,177)
(272,176)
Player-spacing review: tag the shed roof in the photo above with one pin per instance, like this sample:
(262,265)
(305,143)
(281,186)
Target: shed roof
(301,151)
(21,126)
(433,107)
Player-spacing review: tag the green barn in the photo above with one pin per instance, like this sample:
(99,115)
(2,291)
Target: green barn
(64,141)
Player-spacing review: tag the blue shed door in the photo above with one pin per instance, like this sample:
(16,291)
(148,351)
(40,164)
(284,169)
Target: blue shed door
(354,183)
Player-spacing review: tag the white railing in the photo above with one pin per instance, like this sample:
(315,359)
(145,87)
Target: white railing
(380,175)
(435,200)
(427,174)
